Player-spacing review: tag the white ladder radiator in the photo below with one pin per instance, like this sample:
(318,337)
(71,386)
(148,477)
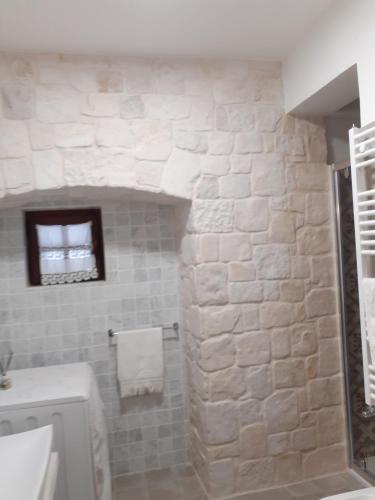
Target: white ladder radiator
(362,156)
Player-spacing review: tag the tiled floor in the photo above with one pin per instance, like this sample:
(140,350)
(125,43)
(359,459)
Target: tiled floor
(182,484)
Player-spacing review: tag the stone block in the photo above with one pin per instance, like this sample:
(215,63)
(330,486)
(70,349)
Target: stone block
(242,293)
(282,228)
(149,173)
(328,326)
(281,412)
(100,105)
(303,339)
(235,118)
(323,270)
(321,302)
(114,132)
(253,348)
(220,143)
(235,246)
(313,240)
(209,248)
(240,164)
(267,118)
(317,148)
(324,461)
(211,283)
(277,444)
(291,145)
(324,392)
(311,177)
(118,166)
(215,165)
(253,441)
(232,91)
(247,143)
(14,139)
(226,384)
(80,168)
(48,169)
(18,101)
(57,105)
(280,343)
(255,474)
(220,423)
(41,135)
(276,314)
(194,142)
(222,476)
(235,186)
(330,429)
(132,107)
(272,261)
(218,320)
(289,373)
(217,353)
(268,175)
(250,317)
(241,271)
(317,208)
(73,135)
(288,468)
(250,412)
(329,359)
(207,188)
(169,79)
(166,107)
(180,174)
(300,266)
(271,90)
(271,290)
(251,215)
(214,216)
(292,291)
(17,175)
(259,382)
(138,77)
(153,139)
(109,80)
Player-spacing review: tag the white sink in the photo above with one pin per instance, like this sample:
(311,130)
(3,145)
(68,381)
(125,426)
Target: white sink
(24,460)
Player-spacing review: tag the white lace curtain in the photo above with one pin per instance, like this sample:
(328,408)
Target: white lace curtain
(65,253)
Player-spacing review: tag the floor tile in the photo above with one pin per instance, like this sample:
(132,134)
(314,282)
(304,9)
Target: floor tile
(133,494)
(129,481)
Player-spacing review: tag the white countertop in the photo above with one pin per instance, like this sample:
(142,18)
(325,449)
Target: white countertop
(47,385)
(24,460)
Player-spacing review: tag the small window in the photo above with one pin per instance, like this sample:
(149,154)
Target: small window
(64,246)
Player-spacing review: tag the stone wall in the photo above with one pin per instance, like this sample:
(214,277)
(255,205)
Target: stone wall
(257,269)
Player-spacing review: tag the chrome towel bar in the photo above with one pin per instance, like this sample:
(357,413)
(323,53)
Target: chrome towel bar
(175,327)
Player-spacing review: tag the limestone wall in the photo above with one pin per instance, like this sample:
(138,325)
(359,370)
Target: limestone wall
(257,271)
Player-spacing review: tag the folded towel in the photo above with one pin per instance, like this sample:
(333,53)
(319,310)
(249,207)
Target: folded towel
(140,364)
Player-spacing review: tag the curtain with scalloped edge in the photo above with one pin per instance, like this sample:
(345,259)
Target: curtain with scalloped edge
(66,253)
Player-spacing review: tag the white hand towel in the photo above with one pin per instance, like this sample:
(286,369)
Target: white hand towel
(140,364)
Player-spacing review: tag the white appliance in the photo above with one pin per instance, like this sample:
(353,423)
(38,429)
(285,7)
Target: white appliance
(365,494)
(67,397)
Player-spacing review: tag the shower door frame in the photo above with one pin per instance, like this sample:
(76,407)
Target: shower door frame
(336,171)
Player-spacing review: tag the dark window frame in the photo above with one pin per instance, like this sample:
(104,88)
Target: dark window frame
(62,217)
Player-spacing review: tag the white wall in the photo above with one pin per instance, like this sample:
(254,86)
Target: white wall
(345,36)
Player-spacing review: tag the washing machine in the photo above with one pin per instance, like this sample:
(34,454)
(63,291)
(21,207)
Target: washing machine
(67,397)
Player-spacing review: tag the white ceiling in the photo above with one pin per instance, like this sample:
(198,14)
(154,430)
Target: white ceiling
(261,29)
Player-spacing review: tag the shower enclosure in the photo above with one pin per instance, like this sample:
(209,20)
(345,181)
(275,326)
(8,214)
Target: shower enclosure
(361,429)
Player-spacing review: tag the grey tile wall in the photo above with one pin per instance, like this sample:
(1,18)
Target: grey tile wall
(69,323)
